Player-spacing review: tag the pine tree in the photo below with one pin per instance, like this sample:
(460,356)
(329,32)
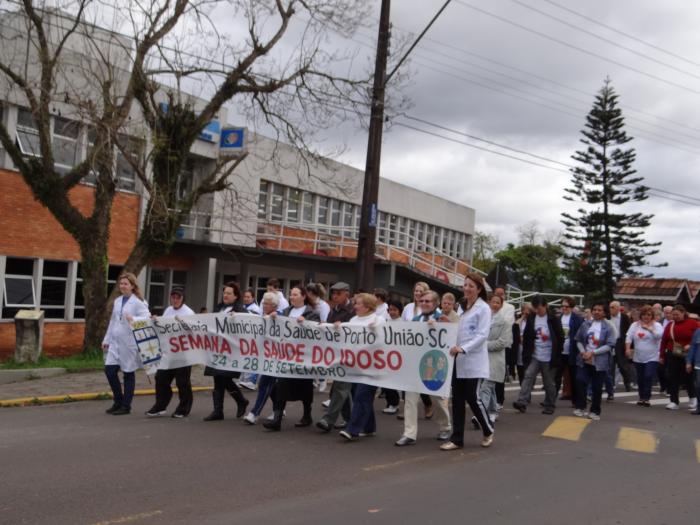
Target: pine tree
(605,244)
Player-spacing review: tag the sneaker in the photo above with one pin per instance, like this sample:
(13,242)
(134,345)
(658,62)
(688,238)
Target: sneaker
(321,385)
(646,404)
(340,424)
(178,415)
(475,423)
(121,411)
(250,418)
(444,435)
(366,434)
(272,416)
(493,416)
(672,406)
(326,403)
(594,416)
(487,441)
(155,413)
(347,435)
(323,425)
(113,408)
(580,413)
(693,403)
(611,397)
(248,385)
(499,406)
(520,407)
(391,410)
(404,441)
(548,411)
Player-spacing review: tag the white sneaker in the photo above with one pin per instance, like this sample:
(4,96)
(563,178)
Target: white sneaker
(248,385)
(493,416)
(391,409)
(594,417)
(250,418)
(580,413)
(693,403)
(499,406)
(326,403)
(672,406)
(321,385)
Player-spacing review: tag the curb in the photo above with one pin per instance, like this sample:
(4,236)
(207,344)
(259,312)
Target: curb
(70,398)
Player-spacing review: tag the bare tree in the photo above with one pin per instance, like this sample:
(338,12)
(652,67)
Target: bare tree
(126,86)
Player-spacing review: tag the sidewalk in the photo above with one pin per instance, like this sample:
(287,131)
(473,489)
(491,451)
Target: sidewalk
(77,385)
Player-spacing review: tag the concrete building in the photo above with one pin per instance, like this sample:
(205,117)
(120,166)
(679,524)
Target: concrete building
(287,217)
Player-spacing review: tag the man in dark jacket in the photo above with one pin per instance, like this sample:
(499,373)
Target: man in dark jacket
(570,323)
(341,312)
(621,322)
(543,340)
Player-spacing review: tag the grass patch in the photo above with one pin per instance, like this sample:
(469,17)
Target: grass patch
(74,363)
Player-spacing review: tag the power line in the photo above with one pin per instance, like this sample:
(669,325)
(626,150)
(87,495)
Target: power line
(606,40)
(577,48)
(620,32)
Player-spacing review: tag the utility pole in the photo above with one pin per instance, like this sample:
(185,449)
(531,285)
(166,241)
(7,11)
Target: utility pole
(370,194)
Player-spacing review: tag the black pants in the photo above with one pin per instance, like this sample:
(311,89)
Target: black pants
(392,397)
(500,393)
(164,392)
(521,373)
(677,376)
(626,369)
(467,391)
(223,384)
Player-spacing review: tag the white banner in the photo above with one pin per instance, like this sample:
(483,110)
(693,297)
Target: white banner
(408,356)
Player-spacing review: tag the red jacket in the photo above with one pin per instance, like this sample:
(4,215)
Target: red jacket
(682,332)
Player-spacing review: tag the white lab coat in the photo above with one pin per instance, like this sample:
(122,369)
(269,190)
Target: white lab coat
(472,337)
(122,348)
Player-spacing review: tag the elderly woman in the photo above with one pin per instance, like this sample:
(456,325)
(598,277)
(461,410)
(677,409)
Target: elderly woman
(675,345)
(266,384)
(292,389)
(500,337)
(231,303)
(642,346)
(362,421)
(471,363)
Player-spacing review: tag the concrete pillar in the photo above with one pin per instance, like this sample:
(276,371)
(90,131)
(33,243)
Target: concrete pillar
(29,330)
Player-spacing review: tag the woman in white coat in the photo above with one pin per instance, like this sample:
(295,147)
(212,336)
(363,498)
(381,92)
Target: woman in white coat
(471,363)
(119,345)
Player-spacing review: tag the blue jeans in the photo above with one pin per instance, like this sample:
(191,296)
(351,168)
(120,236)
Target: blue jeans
(121,398)
(587,375)
(645,378)
(362,418)
(265,386)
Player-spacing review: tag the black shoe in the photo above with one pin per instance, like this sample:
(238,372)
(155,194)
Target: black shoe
(113,408)
(276,422)
(214,416)
(542,404)
(242,407)
(548,411)
(520,407)
(696,412)
(121,411)
(611,397)
(303,422)
(323,425)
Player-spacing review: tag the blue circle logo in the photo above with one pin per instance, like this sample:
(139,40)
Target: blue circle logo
(433,369)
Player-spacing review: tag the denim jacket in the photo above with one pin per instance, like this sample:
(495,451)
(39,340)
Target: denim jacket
(606,345)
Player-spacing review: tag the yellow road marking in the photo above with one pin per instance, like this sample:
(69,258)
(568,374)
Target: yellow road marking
(697,449)
(128,519)
(637,440)
(566,427)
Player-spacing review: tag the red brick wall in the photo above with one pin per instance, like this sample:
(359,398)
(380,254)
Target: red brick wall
(60,339)
(29,229)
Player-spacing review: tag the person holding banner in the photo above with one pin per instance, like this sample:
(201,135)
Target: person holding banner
(270,303)
(413,309)
(119,345)
(471,363)
(429,312)
(223,379)
(362,421)
(164,378)
(292,389)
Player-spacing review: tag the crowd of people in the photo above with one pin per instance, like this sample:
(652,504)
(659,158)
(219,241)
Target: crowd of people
(577,353)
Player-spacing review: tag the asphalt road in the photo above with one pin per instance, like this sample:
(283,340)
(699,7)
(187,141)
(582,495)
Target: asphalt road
(73,464)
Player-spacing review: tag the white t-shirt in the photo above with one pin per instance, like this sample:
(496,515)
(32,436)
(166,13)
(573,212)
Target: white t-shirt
(183,310)
(297,312)
(367,319)
(646,342)
(565,319)
(593,336)
(383,311)
(323,309)
(283,303)
(543,340)
(253,308)
(410,311)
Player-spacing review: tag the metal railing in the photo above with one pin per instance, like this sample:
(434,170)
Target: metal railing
(517,297)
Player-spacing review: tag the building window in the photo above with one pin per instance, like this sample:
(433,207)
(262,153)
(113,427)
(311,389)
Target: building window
(411,241)
(381,224)
(293,204)
(277,203)
(2,150)
(65,144)
(179,279)
(401,241)
(27,133)
(262,199)
(18,289)
(429,236)
(157,280)
(356,229)
(348,216)
(128,162)
(420,236)
(323,203)
(54,281)
(335,216)
(307,204)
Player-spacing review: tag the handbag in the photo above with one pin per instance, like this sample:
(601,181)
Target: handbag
(677,349)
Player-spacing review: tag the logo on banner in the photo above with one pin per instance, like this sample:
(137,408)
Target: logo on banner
(147,342)
(433,369)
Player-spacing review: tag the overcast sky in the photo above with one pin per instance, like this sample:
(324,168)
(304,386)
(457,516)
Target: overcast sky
(522,79)
(460,81)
